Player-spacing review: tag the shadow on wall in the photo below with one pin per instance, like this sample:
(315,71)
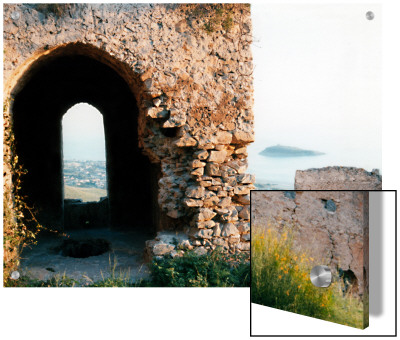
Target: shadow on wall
(376,253)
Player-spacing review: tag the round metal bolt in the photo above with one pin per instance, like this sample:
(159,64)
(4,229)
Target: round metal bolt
(15,15)
(15,275)
(321,276)
(370,15)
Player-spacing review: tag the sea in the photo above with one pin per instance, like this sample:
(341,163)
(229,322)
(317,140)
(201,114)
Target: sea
(279,173)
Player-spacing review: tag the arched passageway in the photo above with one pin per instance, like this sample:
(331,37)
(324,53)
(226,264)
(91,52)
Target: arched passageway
(50,89)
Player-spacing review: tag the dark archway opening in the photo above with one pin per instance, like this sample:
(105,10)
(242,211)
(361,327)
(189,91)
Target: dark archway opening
(52,88)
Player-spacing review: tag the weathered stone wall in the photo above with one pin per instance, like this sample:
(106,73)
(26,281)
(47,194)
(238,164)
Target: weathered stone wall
(193,88)
(331,226)
(337,178)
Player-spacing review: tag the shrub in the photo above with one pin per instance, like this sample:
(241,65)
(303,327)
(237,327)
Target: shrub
(20,226)
(215,269)
(280,279)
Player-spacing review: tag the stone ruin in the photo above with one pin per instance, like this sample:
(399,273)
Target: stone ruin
(176,93)
(331,226)
(337,178)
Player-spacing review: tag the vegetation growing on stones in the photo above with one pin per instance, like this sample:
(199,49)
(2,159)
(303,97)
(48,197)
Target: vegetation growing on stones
(20,226)
(215,16)
(280,279)
(55,9)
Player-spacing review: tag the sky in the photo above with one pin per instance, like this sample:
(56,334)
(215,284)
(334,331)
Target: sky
(317,79)
(83,133)
(317,83)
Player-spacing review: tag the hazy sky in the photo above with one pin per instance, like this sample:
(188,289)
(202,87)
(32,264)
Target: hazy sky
(83,133)
(317,85)
(317,79)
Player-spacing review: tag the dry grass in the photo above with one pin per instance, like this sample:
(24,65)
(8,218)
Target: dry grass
(85,194)
(280,279)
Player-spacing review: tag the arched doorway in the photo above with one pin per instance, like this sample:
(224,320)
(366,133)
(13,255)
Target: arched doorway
(49,89)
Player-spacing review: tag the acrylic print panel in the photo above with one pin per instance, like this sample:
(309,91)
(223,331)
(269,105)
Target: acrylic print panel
(293,232)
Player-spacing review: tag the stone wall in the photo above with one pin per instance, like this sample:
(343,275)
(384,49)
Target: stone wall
(331,226)
(337,178)
(194,91)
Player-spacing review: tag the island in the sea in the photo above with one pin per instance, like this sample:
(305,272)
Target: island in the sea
(288,151)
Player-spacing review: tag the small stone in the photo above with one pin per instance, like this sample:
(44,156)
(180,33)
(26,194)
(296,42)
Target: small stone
(160,249)
(148,74)
(238,165)
(205,224)
(186,141)
(234,239)
(245,199)
(241,137)
(241,151)
(192,202)
(185,245)
(212,169)
(231,181)
(181,26)
(200,251)
(198,172)
(241,190)
(246,237)
(212,201)
(217,230)
(221,242)
(201,233)
(173,253)
(198,164)
(245,213)
(222,193)
(205,183)
(229,229)
(217,156)
(157,102)
(176,119)
(243,227)
(214,187)
(246,179)
(223,137)
(156,112)
(148,83)
(244,246)
(205,214)
(202,154)
(195,191)
(225,202)
(175,213)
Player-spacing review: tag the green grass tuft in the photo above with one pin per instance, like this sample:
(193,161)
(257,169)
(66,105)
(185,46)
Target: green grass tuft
(215,269)
(280,279)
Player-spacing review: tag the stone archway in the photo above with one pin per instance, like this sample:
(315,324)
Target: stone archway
(66,76)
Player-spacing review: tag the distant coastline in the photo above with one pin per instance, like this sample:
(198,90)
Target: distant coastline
(283,151)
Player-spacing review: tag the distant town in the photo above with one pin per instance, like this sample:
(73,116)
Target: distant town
(85,174)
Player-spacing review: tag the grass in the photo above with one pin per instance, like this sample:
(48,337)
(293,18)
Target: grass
(85,194)
(280,279)
(211,270)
